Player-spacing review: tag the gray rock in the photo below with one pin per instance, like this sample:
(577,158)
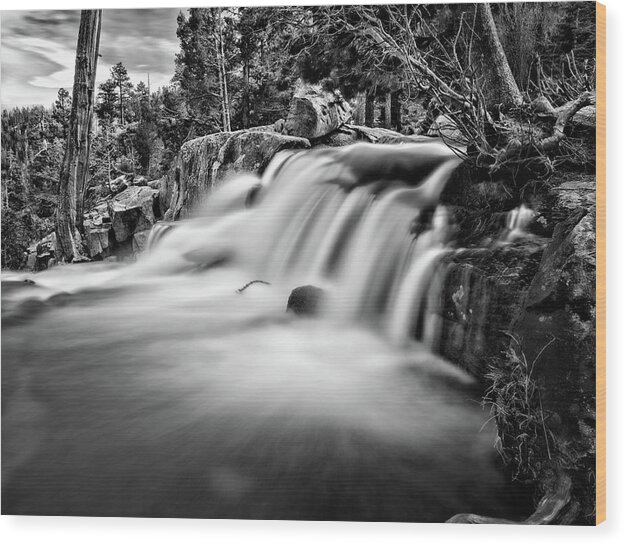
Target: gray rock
(119,184)
(567,271)
(304,300)
(97,241)
(446,128)
(576,193)
(315,112)
(205,162)
(139,241)
(133,210)
(40,253)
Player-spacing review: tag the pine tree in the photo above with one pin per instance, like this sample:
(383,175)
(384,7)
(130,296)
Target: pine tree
(124,87)
(107,108)
(61,110)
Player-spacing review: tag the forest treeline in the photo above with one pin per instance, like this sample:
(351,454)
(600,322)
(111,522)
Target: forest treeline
(399,66)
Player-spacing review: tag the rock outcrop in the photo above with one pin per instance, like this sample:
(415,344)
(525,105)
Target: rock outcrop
(119,225)
(203,163)
(134,209)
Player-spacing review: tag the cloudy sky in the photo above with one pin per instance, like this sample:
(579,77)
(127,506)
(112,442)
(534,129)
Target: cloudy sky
(39,47)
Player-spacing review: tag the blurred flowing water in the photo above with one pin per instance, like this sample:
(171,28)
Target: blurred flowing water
(159,388)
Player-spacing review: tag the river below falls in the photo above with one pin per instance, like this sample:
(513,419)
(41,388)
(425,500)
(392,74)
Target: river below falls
(177,396)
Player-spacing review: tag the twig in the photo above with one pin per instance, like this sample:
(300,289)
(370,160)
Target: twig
(241,290)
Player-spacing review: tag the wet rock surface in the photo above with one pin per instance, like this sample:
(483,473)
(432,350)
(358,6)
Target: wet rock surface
(305,300)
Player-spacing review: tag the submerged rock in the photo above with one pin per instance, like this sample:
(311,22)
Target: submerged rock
(305,300)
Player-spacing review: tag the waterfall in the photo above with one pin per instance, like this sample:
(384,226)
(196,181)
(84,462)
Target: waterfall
(158,231)
(517,221)
(335,219)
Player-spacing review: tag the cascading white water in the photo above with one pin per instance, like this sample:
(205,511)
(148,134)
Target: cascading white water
(517,221)
(315,224)
(158,231)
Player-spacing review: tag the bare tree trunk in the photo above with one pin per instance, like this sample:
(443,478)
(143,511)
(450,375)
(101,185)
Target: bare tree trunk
(369,110)
(499,84)
(245,106)
(358,114)
(75,166)
(121,104)
(388,119)
(221,60)
(395,111)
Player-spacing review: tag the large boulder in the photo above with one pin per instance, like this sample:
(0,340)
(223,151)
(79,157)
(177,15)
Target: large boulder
(206,161)
(315,112)
(251,151)
(134,209)
(97,226)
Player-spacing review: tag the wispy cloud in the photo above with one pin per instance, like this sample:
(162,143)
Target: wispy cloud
(38,50)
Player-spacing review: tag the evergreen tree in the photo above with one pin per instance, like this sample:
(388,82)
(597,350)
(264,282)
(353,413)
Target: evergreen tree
(61,110)
(119,75)
(106,107)
(197,71)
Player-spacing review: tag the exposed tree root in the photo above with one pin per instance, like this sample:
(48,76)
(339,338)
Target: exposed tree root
(527,149)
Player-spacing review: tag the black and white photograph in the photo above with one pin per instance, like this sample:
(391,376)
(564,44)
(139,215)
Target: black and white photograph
(304,263)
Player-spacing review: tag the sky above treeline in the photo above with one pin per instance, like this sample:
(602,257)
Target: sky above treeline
(39,50)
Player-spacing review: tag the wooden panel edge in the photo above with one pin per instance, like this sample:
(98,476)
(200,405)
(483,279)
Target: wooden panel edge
(601,266)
